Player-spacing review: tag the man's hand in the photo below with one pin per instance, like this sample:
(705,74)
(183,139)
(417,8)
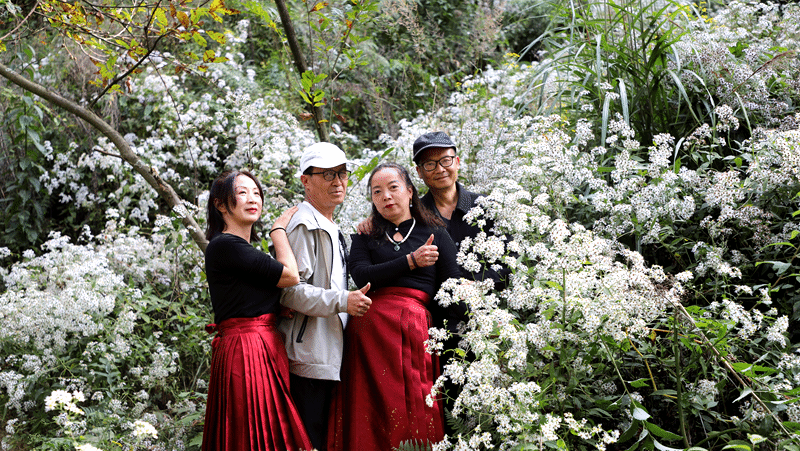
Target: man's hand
(357,301)
(364,227)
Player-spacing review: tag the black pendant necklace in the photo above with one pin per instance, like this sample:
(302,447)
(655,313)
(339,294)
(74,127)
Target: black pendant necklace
(398,243)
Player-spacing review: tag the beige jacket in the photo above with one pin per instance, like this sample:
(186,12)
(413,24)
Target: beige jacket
(315,336)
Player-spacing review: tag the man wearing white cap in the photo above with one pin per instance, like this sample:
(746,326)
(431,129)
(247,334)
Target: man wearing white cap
(320,302)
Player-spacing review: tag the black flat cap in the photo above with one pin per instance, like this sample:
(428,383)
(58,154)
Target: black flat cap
(432,140)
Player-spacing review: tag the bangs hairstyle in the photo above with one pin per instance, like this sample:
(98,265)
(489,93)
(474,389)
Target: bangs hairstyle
(381,225)
(221,192)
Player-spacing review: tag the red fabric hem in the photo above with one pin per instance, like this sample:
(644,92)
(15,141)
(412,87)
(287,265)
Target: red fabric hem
(249,402)
(386,376)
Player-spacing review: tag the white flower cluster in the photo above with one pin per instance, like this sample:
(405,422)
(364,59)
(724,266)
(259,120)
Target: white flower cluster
(63,400)
(763,86)
(143,429)
(703,391)
(87,447)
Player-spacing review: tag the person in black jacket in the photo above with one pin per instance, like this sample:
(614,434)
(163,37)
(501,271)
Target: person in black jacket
(437,165)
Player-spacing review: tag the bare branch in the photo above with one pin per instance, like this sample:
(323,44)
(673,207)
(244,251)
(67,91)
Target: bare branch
(21,22)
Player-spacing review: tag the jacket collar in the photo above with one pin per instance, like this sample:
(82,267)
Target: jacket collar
(308,216)
(464,199)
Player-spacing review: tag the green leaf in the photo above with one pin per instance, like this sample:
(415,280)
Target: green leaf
(161,17)
(752,370)
(664,447)
(640,414)
(218,37)
(199,39)
(656,430)
(792,426)
(780,267)
(639,383)
(738,444)
(629,433)
(747,391)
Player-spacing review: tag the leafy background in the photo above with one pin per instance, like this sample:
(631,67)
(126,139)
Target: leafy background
(640,158)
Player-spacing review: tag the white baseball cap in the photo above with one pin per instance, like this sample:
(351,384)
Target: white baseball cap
(322,155)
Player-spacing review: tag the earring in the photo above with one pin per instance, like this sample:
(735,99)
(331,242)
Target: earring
(411,205)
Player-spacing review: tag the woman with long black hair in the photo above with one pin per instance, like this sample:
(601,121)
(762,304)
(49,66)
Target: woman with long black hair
(249,402)
(386,371)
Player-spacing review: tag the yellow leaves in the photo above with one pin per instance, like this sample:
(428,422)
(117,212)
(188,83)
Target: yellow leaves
(161,18)
(216,5)
(218,37)
(319,6)
(183,18)
(179,19)
(209,56)
(218,9)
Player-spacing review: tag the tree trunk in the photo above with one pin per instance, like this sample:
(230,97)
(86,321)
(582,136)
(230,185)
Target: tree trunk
(125,152)
(300,63)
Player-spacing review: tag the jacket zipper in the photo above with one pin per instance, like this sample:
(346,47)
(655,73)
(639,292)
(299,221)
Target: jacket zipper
(299,338)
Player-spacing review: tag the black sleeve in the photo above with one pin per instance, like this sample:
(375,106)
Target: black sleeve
(236,256)
(446,266)
(364,270)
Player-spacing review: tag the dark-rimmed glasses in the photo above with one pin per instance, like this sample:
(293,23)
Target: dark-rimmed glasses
(444,162)
(330,174)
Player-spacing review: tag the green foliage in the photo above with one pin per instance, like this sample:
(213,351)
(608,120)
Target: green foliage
(524,23)
(617,58)
(414,445)
(25,200)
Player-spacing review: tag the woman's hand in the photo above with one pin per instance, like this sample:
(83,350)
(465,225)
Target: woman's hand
(425,255)
(283,252)
(285,217)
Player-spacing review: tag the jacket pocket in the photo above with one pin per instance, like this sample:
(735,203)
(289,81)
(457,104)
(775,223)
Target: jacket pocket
(302,330)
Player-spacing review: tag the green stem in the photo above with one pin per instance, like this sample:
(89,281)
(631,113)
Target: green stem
(727,365)
(714,435)
(679,381)
(616,368)
(564,294)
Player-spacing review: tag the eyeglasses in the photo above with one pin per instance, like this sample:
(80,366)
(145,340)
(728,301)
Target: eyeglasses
(444,162)
(329,175)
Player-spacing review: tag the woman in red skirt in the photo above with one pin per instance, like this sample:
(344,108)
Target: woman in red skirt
(249,406)
(386,371)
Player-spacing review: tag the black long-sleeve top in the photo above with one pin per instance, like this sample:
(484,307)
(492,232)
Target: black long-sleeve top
(243,281)
(377,262)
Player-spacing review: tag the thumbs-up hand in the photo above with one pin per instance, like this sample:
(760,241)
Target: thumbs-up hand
(425,255)
(357,301)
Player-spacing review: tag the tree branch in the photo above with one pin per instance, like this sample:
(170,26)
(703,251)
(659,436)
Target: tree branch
(21,22)
(165,191)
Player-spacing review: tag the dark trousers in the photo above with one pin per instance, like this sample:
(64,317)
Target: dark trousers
(312,397)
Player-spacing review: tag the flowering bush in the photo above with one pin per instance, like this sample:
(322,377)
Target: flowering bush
(120,319)
(654,272)
(602,362)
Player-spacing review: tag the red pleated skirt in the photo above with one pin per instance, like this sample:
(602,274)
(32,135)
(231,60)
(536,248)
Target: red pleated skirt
(249,405)
(386,376)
